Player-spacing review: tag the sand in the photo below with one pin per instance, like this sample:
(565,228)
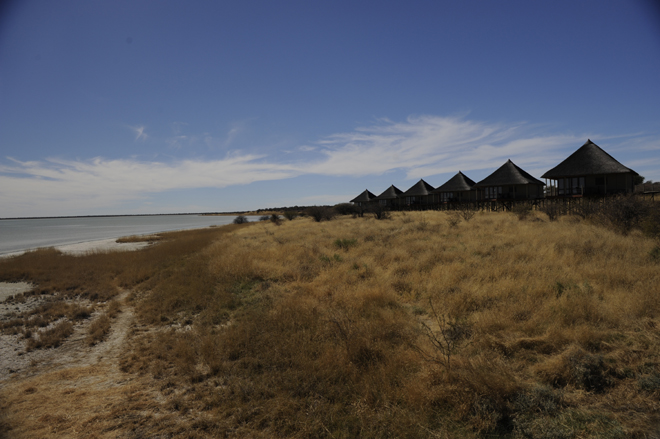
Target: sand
(11,288)
(82,248)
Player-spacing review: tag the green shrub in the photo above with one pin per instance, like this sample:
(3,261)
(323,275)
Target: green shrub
(345,244)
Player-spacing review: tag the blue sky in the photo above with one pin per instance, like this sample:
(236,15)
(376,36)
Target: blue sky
(134,106)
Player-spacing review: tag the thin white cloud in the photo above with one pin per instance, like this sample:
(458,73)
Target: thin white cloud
(99,183)
(139,132)
(323,199)
(421,146)
(237,128)
(428,145)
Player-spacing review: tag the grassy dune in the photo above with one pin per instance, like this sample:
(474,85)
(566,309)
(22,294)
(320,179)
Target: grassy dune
(417,326)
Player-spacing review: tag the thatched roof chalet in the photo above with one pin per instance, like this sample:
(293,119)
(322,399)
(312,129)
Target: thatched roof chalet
(458,188)
(419,193)
(590,171)
(390,196)
(364,198)
(510,182)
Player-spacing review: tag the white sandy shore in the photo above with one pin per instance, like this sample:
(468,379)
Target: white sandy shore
(12,288)
(83,248)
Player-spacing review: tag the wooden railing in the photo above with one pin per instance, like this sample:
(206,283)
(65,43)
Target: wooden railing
(648,188)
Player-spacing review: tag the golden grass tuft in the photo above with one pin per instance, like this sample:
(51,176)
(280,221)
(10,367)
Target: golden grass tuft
(139,238)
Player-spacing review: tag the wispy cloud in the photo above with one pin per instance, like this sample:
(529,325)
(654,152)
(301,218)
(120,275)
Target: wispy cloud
(427,145)
(139,132)
(420,146)
(99,183)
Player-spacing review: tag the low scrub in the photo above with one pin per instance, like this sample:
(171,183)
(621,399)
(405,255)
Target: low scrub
(139,238)
(494,327)
(98,330)
(51,338)
(321,213)
(418,327)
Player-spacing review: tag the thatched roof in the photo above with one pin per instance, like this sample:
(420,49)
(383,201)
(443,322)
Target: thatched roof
(589,159)
(364,197)
(390,193)
(508,174)
(420,188)
(458,183)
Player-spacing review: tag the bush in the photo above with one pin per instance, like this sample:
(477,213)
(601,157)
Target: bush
(651,223)
(587,208)
(52,337)
(454,218)
(345,244)
(379,211)
(275,219)
(655,253)
(522,210)
(290,215)
(625,212)
(466,211)
(264,218)
(98,330)
(321,213)
(553,210)
(241,219)
(347,209)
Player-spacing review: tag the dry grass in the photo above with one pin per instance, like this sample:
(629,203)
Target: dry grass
(309,329)
(139,238)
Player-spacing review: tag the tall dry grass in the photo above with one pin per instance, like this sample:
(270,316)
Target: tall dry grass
(290,331)
(423,325)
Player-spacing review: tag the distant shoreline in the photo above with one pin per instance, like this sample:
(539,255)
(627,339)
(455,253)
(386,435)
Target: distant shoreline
(127,215)
(246,213)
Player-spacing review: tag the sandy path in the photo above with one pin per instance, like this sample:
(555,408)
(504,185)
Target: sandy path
(77,390)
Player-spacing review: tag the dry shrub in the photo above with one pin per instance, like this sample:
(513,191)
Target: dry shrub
(379,211)
(522,210)
(454,218)
(321,213)
(625,213)
(553,210)
(98,330)
(51,338)
(140,238)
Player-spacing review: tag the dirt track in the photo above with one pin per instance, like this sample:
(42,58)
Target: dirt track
(74,390)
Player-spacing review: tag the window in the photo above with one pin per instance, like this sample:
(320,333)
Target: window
(493,192)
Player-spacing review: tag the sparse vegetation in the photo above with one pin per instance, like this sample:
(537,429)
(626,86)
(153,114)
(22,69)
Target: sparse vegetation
(275,219)
(379,211)
(241,219)
(321,213)
(347,209)
(51,338)
(522,210)
(533,328)
(139,238)
(290,215)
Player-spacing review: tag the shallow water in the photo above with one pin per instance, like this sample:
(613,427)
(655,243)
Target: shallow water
(23,234)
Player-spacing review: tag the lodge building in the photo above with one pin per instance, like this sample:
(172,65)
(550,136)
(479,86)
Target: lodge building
(588,172)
